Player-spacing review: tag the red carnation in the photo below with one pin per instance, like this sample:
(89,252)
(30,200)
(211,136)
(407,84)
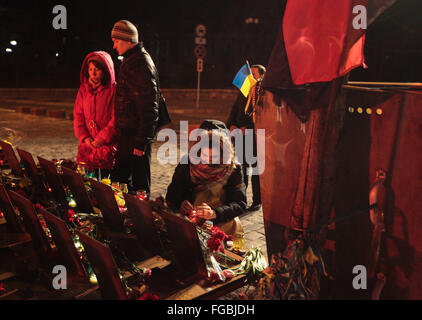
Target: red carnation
(2,288)
(43,224)
(38,206)
(69,215)
(218,233)
(215,229)
(148,296)
(215,244)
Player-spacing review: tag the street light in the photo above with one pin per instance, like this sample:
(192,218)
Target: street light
(13,42)
(120,58)
(57,54)
(251,20)
(9,50)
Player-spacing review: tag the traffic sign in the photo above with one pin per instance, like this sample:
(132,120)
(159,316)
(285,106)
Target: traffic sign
(200,30)
(200,51)
(199,65)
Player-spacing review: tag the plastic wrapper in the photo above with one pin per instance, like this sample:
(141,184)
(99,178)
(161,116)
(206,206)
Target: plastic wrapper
(215,273)
(10,135)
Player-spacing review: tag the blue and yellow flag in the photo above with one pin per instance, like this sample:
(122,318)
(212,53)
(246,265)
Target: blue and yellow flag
(244,80)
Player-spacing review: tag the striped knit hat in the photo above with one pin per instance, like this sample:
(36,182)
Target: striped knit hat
(125,30)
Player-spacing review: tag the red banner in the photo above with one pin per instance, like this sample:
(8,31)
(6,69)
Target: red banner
(321,39)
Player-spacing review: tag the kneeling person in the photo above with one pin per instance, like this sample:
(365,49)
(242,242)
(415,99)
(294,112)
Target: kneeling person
(213,187)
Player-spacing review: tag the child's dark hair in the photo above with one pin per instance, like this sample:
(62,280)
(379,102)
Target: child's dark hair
(100,66)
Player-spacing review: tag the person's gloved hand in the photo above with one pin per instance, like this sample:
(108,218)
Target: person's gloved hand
(96,144)
(89,141)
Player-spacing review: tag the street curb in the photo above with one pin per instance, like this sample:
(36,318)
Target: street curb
(44,112)
(59,114)
(23,109)
(38,111)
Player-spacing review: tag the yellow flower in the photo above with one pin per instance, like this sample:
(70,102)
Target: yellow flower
(119,200)
(72,203)
(106,181)
(93,278)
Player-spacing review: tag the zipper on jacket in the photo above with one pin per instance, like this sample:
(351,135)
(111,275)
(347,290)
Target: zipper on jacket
(95,106)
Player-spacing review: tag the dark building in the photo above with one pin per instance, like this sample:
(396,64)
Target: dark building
(236,31)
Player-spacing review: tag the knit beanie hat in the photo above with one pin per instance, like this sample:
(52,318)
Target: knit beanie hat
(125,30)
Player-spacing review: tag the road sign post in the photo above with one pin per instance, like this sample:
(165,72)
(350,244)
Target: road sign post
(200,52)
(199,69)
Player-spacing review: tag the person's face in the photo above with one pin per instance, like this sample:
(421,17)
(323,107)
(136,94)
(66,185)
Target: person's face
(95,74)
(255,73)
(121,46)
(210,156)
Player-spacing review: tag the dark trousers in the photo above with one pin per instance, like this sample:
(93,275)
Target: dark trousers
(105,173)
(256,189)
(130,169)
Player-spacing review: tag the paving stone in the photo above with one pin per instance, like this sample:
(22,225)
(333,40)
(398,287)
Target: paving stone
(255,226)
(253,236)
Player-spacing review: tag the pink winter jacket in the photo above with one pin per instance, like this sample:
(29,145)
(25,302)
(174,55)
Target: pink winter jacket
(94,116)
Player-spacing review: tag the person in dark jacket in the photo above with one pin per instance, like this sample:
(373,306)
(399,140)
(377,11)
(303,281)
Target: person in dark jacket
(242,119)
(214,187)
(136,108)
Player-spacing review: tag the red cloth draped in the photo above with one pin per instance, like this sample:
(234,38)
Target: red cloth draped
(320,40)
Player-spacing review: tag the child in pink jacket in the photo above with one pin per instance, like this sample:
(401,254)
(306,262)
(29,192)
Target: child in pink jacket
(94,113)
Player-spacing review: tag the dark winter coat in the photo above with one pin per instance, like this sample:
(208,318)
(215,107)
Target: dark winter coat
(237,116)
(181,188)
(94,115)
(137,97)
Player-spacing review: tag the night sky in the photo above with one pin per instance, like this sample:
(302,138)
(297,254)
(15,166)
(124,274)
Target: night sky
(393,48)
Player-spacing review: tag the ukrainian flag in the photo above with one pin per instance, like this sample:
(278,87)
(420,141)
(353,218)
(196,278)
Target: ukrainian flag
(244,80)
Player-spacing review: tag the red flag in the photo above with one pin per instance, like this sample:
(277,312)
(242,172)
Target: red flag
(320,39)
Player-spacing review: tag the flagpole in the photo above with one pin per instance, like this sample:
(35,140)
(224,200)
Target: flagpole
(249,67)
(197,90)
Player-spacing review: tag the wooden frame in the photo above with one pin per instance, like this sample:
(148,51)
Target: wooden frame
(64,243)
(74,181)
(32,225)
(102,261)
(141,214)
(108,206)
(31,169)
(189,260)
(11,158)
(12,221)
(53,179)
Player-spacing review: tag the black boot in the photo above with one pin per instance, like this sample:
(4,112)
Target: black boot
(254,207)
